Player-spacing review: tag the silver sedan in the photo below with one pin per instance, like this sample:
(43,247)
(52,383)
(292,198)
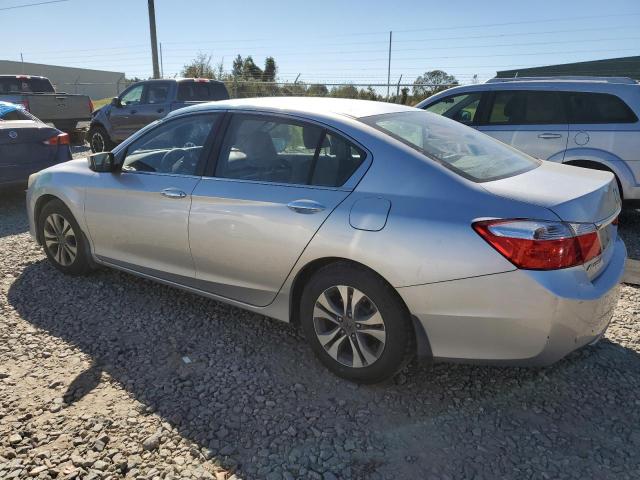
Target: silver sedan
(383,231)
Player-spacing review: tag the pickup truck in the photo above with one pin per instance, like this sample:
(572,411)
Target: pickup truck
(147,101)
(37,96)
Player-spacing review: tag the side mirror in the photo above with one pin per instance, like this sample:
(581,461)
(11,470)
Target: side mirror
(102,162)
(115,101)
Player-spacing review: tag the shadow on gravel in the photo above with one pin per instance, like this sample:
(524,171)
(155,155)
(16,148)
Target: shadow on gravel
(252,393)
(13,211)
(629,230)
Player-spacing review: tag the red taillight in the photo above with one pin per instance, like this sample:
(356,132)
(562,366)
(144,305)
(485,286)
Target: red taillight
(90,106)
(61,139)
(615,221)
(201,80)
(541,245)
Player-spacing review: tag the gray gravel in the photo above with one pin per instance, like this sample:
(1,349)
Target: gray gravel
(110,375)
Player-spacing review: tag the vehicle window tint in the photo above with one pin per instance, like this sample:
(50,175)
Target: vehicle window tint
(527,108)
(598,108)
(463,150)
(133,96)
(268,150)
(173,147)
(462,108)
(198,91)
(337,160)
(157,92)
(25,85)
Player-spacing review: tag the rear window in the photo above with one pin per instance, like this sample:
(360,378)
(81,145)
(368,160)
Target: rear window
(598,108)
(25,85)
(201,91)
(462,149)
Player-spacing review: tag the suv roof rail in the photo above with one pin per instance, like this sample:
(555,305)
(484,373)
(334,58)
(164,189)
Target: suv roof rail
(573,78)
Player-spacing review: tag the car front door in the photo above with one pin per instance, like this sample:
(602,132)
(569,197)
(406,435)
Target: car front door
(275,182)
(138,218)
(155,103)
(534,122)
(124,118)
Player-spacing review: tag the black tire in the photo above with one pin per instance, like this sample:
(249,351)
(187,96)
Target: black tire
(59,257)
(399,345)
(99,139)
(67,127)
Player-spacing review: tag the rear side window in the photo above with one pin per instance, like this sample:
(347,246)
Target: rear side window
(201,91)
(25,85)
(526,108)
(461,108)
(277,150)
(157,92)
(598,108)
(463,150)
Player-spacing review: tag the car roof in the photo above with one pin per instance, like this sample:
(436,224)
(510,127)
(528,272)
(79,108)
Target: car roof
(303,105)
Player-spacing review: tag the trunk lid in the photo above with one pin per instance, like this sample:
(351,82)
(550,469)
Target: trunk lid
(22,147)
(576,195)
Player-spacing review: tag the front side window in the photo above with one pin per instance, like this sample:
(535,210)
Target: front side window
(461,108)
(527,108)
(133,96)
(464,150)
(598,108)
(174,147)
(276,150)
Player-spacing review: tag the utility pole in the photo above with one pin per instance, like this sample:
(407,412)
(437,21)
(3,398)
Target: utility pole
(161,63)
(398,89)
(22,61)
(154,41)
(389,65)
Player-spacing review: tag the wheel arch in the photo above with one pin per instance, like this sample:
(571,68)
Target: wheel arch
(423,346)
(596,165)
(40,203)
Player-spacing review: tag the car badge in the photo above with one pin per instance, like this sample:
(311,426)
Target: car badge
(13,134)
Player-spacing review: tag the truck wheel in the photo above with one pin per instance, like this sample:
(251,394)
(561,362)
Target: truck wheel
(67,127)
(99,140)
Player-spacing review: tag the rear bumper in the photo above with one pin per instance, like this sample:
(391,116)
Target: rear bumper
(518,317)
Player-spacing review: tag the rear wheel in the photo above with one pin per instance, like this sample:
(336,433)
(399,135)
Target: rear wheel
(356,324)
(99,140)
(62,240)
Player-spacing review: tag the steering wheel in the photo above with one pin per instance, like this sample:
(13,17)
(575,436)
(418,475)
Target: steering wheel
(171,159)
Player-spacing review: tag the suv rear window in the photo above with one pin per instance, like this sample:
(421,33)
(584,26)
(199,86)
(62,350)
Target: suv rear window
(201,91)
(462,149)
(598,108)
(25,85)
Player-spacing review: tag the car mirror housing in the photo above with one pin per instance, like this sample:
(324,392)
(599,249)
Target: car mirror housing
(102,162)
(115,101)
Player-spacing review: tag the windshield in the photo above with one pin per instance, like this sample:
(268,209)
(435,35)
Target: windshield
(467,152)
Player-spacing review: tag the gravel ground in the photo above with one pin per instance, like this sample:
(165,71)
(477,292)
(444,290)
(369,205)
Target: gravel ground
(110,375)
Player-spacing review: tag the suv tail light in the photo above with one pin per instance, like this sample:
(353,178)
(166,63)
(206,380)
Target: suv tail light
(61,139)
(541,245)
(90,106)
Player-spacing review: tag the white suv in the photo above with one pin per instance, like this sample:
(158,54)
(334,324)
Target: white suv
(584,121)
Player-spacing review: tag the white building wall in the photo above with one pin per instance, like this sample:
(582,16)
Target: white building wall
(95,83)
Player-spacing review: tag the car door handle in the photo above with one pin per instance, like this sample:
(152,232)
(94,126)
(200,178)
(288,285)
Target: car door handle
(173,193)
(549,136)
(305,206)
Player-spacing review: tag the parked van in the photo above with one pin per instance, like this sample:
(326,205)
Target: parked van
(584,121)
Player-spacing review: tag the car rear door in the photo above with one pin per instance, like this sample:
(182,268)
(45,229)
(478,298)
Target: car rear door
(138,218)
(532,121)
(275,181)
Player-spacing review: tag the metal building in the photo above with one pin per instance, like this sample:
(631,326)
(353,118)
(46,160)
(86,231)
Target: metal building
(95,83)
(610,67)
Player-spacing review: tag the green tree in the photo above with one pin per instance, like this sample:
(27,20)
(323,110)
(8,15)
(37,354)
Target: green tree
(250,71)
(317,90)
(237,66)
(432,82)
(200,67)
(270,70)
(344,91)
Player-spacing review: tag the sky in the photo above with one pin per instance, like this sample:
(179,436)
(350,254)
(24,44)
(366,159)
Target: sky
(331,41)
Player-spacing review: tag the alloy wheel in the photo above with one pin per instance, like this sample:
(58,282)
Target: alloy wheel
(97,142)
(349,326)
(60,239)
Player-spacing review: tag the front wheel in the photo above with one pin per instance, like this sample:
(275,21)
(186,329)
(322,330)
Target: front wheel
(99,140)
(356,323)
(62,240)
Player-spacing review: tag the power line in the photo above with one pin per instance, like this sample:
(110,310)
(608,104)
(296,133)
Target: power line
(32,4)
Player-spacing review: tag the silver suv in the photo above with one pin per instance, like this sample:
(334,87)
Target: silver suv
(584,121)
